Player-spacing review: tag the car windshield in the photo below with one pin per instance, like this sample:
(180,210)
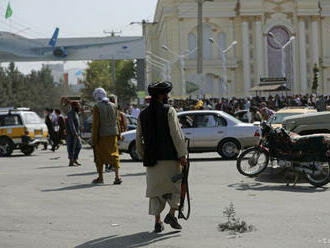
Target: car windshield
(277,118)
(31,118)
(231,118)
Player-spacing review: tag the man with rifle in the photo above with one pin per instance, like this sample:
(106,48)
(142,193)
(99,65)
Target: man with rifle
(161,145)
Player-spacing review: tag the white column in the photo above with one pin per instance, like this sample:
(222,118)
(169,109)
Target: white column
(325,87)
(260,62)
(315,32)
(246,57)
(231,54)
(294,86)
(302,50)
(266,56)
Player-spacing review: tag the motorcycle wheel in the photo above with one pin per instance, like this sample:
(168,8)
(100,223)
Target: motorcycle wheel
(323,178)
(252,161)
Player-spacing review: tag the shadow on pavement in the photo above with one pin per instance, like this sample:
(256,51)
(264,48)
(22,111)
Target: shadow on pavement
(82,174)
(210,159)
(278,177)
(129,161)
(255,186)
(191,159)
(128,241)
(75,187)
(94,173)
(19,156)
(55,158)
(134,174)
(53,167)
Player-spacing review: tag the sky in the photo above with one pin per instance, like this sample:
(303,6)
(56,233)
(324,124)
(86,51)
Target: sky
(75,18)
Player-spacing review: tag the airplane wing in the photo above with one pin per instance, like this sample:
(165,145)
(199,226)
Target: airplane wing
(62,51)
(14,47)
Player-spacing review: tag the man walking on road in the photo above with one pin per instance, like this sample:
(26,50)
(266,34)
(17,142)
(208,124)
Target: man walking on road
(72,134)
(105,135)
(161,146)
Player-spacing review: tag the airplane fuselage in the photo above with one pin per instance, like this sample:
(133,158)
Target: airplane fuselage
(20,46)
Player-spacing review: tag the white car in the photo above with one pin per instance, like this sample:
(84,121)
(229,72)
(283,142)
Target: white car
(208,131)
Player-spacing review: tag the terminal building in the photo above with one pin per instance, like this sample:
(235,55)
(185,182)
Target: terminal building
(275,38)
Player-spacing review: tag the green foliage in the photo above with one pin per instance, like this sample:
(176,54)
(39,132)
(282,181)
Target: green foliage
(234,225)
(99,74)
(35,90)
(124,88)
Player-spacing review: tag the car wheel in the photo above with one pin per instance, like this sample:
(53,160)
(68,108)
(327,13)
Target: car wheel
(229,149)
(27,150)
(132,151)
(6,147)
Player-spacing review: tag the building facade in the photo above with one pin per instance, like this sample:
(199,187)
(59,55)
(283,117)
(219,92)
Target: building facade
(275,38)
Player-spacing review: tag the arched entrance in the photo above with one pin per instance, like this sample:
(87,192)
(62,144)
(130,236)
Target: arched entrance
(275,43)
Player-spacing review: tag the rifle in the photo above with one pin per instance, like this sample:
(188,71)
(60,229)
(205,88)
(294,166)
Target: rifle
(185,188)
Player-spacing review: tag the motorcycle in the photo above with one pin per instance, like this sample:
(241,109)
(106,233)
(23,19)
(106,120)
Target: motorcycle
(308,155)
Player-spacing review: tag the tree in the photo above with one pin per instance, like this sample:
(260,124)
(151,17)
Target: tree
(124,87)
(4,98)
(35,90)
(99,74)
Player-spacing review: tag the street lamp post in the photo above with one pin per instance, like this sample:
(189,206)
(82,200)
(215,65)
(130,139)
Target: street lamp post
(164,62)
(161,66)
(224,60)
(282,50)
(200,35)
(180,58)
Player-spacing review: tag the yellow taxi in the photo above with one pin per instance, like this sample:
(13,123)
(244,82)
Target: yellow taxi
(277,119)
(21,129)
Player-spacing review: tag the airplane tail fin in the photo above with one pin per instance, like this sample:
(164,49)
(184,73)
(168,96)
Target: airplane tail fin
(53,40)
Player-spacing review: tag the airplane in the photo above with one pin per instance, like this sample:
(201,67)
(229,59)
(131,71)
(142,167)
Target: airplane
(13,46)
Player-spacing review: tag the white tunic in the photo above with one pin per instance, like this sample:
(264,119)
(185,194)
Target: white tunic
(159,176)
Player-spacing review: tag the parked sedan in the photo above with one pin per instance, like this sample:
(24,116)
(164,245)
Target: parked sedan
(86,134)
(208,131)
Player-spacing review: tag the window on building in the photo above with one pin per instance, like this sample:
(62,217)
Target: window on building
(207,49)
(282,36)
(192,44)
(252,68)
(250,38)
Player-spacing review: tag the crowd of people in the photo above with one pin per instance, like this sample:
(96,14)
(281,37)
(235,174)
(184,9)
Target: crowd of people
(60,121)
(260,108)
(159,138)
(235,104)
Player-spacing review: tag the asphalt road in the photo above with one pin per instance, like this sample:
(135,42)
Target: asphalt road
(45,203)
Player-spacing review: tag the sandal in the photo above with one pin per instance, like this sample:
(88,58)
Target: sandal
(117,181)
(97,181)
(76,163)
